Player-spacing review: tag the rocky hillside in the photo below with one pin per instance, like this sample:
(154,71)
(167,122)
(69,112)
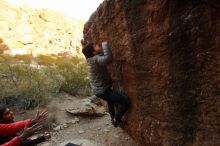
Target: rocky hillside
(167,60)
(34,31)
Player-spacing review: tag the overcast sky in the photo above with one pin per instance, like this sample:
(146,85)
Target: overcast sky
(80,9)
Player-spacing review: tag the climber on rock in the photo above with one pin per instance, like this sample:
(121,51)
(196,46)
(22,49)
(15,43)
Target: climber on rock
(98,59)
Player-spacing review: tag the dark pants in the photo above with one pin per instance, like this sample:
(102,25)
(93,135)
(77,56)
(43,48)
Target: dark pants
(33,142)
(25,142)
(115,98)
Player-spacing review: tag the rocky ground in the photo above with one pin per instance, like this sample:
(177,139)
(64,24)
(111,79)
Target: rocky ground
(86,130)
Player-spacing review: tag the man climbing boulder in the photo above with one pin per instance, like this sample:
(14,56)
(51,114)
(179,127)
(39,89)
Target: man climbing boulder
(98,59)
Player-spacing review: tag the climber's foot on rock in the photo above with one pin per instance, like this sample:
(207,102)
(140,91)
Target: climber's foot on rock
(113,121)
(123,123)
(118,123)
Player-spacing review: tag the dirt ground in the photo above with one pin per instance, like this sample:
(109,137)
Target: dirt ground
(97,130)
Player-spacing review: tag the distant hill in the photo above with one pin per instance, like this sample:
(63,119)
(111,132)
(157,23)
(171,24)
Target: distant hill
(38,31)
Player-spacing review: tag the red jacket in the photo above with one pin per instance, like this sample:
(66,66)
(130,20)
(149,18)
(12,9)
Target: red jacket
(10,129)
(14,142)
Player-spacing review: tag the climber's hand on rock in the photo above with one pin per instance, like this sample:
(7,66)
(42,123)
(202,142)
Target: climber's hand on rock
(103,39)
(104,43)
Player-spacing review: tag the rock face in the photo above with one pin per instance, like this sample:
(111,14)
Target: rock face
(167,60)
(38,31)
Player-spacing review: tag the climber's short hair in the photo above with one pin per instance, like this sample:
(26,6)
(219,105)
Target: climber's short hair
(88,50)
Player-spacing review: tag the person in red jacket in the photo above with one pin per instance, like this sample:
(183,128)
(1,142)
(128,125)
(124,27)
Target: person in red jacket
(9,129)
(7,118)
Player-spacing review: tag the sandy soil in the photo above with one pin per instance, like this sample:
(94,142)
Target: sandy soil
(97,130)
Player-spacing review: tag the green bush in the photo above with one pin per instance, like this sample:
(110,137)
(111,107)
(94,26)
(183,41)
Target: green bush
(73,70)
(75,74)
(29,83)
(37,83)
(25,58)
(3,47)
(46,60)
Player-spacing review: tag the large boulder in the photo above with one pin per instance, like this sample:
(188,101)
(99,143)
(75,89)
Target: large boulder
(167,60)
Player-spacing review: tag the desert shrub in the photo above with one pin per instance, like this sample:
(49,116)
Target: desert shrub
(25,58)
(28,85)
(74,71)
(6,59)
(46,60)
(3,47)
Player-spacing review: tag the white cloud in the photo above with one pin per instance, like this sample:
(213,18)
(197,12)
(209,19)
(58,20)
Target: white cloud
(81,9)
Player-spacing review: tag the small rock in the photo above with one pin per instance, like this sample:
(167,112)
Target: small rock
(81,131)
(61,127)
(57,128)
(74,121)
(65,125)
(54,124)
(106,130)
(87,108)
(99,128)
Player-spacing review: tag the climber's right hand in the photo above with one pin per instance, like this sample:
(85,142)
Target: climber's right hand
(104,44)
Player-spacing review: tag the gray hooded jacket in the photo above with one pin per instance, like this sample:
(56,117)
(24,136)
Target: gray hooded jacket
(99,76)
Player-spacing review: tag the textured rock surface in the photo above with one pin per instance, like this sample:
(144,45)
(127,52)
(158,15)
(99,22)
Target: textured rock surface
(167,59)
(38,31)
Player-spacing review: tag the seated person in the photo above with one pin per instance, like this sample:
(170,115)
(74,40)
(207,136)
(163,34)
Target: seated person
(7,117)
(9,129)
